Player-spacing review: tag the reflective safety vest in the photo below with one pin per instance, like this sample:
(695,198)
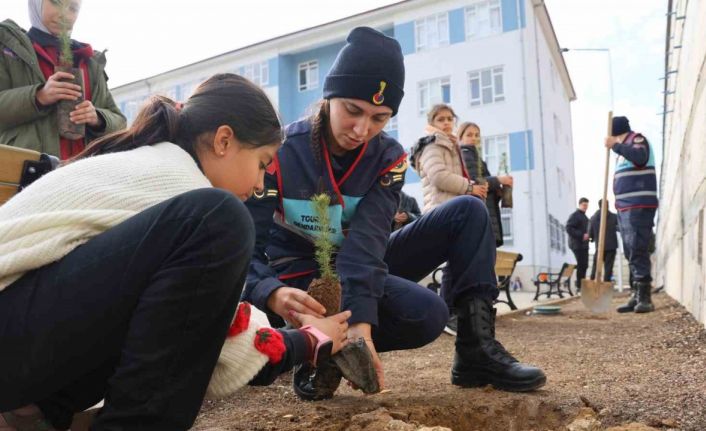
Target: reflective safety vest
(635,186)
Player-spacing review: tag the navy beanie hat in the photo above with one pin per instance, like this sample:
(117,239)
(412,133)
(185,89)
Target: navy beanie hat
(620,125)
(369,67)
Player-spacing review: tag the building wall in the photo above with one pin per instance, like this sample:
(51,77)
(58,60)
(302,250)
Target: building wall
(534,111)
(680,230)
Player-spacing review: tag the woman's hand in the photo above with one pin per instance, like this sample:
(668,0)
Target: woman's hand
(286,299)
(364,331)
(480,191)
(335,327)
(55,89)
(506,180)
(85,113)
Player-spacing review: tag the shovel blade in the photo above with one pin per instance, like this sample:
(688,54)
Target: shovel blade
(597,296)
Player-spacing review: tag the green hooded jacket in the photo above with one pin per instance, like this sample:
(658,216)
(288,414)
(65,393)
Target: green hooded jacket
(24,125)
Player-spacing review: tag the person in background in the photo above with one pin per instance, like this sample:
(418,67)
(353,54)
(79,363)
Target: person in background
(470,142)
(577,228)
(611,241)
(30,88)
(407,212)
(635,189)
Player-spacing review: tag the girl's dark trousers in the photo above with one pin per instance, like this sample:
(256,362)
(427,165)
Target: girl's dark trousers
(136,316)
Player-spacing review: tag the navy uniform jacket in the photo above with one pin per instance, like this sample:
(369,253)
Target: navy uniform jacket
(364,186)
(635,180)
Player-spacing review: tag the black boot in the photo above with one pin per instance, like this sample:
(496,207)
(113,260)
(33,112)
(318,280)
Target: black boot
(644,297)
(629,307)
(481,360)
(314,384)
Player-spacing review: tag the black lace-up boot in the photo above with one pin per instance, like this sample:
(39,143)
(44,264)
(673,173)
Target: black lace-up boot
(314,384)
(481,360)
(629,306)
(644,297)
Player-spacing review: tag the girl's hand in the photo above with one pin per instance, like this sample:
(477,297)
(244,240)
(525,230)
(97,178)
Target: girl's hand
(286,299)
(480,191)
(85,113)
(55,89)
(363,330)
(506,180)
(335,327)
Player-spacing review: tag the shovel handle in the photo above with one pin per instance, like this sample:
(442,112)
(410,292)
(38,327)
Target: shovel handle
(604,207)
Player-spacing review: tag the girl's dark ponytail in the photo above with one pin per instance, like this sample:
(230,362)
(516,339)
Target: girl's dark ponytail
(224,99)
(157,121)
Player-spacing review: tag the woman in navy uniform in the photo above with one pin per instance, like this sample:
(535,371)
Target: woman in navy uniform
(342,150)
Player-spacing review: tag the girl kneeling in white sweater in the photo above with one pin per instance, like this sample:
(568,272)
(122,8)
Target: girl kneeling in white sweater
(120,272)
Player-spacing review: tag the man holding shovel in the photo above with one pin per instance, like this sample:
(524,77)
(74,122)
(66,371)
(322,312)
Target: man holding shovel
(635,189)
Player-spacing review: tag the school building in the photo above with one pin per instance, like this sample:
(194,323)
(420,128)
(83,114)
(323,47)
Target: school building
(497,62)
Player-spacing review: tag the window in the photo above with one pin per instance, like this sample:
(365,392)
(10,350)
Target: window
(557,235)
(432,32)
(308,75)
(552,75)
(483,18)
(506,220)
(258,73)
(486,86)
(496,150)
(433,91)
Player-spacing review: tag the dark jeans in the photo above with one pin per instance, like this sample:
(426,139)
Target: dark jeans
(411,316)
(636,229)
(581,264)
(608,261)
(137,316)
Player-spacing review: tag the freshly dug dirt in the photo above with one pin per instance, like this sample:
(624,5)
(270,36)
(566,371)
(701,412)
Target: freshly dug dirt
(620,372)
(327,294)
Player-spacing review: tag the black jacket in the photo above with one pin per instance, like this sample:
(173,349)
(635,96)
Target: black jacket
(492,202)
(576,227)
(407,205)
(611,232)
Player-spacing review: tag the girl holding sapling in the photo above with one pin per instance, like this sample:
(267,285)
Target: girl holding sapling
(31,88)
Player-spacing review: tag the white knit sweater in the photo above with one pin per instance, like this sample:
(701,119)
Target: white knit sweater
(72,204)
(69,206)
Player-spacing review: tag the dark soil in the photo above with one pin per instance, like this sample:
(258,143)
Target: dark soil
(327,293)
(68,129)
(646,368)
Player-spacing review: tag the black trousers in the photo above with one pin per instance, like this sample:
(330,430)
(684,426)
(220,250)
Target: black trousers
(137,316)
(581,264)
(608,261)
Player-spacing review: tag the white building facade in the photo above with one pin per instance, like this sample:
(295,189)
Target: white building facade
(496,62)
(680,227)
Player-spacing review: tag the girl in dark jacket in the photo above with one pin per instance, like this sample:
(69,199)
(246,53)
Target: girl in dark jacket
(341,150)
(469,140)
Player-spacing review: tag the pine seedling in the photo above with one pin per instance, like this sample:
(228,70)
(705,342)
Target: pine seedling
(503,168)
(66,55)
(323,243)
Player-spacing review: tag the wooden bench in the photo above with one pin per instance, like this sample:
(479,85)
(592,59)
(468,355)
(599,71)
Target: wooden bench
(555,281)
(505,263)
(19,168)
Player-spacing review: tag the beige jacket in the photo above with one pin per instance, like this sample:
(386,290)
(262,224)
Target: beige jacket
(442,171)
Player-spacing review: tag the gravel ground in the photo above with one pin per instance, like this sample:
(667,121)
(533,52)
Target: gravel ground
(627,371)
